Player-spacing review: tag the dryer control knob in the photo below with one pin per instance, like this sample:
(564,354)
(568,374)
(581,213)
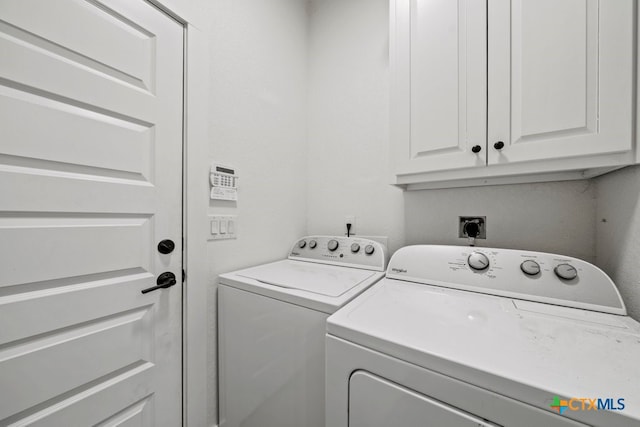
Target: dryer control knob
(369,249)
(355,248)
(478,261)
(302,244)
(566,271)
(332,245)
(530,267)
(313,244)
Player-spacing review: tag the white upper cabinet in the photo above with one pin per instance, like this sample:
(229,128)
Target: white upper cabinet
(505,91)
(441,84)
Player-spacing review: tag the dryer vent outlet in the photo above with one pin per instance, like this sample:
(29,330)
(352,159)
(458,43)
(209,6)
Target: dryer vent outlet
(469,225)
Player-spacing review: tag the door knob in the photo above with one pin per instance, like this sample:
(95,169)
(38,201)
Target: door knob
(166,246)
(476,148)
(498,145)
(165,280)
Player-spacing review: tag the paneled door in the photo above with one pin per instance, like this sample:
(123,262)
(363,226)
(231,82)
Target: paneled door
(90,184)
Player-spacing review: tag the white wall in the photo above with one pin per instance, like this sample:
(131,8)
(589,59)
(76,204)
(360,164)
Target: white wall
(348,155)
(258,58)
(348,120)
(618,232)
(554,217)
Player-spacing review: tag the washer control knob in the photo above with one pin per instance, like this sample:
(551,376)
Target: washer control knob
(313,244)
(566,271)
(478,261)
(332,245)
(530,267)
(369,249)
(355,248)
(302,244)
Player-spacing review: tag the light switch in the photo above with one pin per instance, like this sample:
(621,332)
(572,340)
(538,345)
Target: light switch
(223,227)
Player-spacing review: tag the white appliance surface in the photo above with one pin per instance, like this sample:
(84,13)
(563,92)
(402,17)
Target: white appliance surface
(271,361)
(271,329)
(314,278)
(514,346)
(408,406)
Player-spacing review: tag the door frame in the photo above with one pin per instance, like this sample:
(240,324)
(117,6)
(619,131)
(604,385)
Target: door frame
(195,203)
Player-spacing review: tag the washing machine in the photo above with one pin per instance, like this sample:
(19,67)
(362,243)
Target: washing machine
(271,329)
(456,336)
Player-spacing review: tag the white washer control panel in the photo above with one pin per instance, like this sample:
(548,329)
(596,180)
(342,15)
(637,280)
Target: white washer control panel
(527,275)
(340,250)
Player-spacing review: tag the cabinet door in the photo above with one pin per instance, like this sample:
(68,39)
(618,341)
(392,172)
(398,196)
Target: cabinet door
(439,91)
(560,78)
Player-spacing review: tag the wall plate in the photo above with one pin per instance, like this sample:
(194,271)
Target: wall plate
(223,227)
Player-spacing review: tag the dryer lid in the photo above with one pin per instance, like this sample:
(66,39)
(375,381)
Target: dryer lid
(310,277)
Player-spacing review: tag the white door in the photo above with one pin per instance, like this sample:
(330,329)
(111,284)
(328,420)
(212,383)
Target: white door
(439,85)
(560,78)
(90,183)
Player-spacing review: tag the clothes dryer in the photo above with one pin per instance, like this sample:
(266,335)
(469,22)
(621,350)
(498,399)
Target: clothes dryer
(458,336)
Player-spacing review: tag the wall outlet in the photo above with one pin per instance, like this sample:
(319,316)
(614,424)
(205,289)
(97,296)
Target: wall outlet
(480,221)
(350,219)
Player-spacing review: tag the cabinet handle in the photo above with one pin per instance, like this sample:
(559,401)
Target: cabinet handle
(476,148)
(498,145)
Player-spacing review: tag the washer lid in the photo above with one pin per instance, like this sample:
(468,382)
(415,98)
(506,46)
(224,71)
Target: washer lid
(315,278)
